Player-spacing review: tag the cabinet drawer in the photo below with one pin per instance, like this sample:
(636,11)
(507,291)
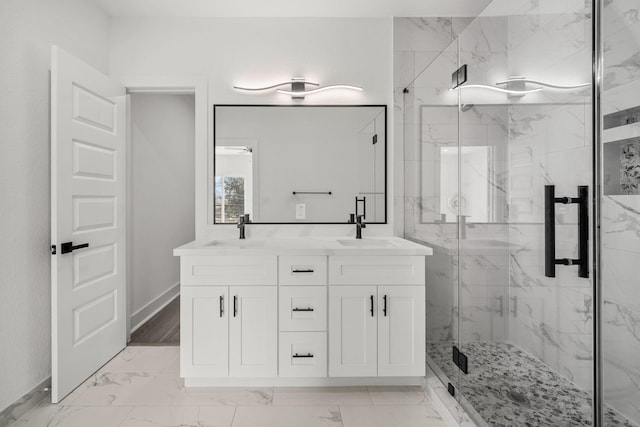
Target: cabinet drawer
(303,308)
(302,270)
(370,270)
(303,354)
(228,270)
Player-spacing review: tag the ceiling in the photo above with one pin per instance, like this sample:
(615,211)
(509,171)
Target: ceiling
(291,8)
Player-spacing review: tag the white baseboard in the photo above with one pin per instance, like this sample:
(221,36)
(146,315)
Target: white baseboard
(152,308)
(23,405)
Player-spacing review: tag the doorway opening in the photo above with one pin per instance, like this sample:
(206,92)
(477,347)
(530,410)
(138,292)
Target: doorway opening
(160,211)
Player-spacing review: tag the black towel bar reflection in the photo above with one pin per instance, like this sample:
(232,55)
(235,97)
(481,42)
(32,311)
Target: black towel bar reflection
(313,192)
(550,260)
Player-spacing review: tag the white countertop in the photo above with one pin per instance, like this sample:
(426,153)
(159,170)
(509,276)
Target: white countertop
(304,246)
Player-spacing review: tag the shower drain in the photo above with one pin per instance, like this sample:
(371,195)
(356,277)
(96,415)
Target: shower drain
(518,397)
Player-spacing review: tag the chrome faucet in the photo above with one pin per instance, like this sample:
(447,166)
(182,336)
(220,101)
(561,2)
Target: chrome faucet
(242,221)
(359,226)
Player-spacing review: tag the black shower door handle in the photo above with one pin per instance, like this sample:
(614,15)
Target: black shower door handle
(550,260)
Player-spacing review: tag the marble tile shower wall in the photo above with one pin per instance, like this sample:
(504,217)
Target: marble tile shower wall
(621,217)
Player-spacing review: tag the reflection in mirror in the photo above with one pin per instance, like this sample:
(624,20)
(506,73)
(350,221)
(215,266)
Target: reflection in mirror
(469,180)
(233,183)
(299,164)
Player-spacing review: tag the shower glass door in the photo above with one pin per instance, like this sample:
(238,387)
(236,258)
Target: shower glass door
(527,337)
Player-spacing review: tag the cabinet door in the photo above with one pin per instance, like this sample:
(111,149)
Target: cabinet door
(204,331)
(401,331)
(253,331)
(352,331)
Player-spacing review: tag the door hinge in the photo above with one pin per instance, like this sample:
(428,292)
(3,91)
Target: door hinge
(459,76)
(460,360)
(53,249)
(452,389)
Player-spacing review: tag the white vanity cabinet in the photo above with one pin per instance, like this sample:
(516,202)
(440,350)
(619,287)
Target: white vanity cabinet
(376,329)
(228,331)
(254,317)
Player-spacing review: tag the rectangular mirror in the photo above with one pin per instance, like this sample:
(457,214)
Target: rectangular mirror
(300,164)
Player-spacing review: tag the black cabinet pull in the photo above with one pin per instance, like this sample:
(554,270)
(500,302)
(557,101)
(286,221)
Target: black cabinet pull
(303,309)
(235,305)
(299,356)
(302,271)
(67,247)
(384,308)
(550,260)
(371,298)
(221,305)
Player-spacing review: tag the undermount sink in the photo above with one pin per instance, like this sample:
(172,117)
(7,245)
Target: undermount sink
(236,243)
(377,243)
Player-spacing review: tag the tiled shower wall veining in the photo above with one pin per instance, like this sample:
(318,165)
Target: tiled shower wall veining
(621,214)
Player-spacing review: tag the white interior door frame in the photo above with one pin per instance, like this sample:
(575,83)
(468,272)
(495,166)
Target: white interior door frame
(198,86)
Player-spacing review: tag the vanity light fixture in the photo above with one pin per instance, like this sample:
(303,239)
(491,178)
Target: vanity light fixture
(298,88)
(499,89)
(523,80)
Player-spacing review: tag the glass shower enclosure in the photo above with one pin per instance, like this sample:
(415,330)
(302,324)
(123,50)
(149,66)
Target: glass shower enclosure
(533,290)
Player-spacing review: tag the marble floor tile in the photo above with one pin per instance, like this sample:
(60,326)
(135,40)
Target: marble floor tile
(152,359)
(321,396)
(224,396)
(287,416)
(390,416)
(47,414)
(397,396)
(128,389)
(173,416)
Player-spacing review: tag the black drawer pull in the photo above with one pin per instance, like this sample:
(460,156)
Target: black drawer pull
(302,356)
(303,309)
(384,309)
(302,271)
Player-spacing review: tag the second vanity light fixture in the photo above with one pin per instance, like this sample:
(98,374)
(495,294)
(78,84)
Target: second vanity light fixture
(516,86)
(297,88)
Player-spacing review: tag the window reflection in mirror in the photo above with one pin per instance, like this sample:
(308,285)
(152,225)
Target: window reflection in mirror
(233,190)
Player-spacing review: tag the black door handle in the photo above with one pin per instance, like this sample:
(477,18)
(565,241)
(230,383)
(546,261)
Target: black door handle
(550,260)
(235,305)
(221,305)
(384,308)
(67,247)
(371,297)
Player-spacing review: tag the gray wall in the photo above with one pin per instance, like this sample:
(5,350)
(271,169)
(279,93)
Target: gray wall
(28,28)
(162,197)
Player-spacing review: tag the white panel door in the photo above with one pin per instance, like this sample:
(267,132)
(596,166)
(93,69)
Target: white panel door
(88,136)
(204,331)
(401,331)
(253,331)
(353,331)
